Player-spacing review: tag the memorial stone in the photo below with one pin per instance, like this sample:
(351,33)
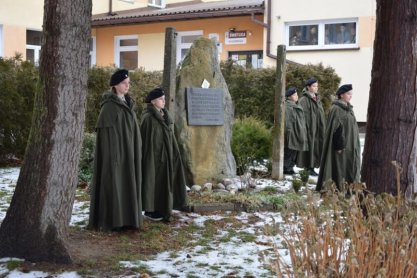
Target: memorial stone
(204,130)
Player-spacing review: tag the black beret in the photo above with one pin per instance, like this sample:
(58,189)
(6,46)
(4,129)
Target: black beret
(118,76)
(310,81)
(343,89)
(154,94)
(290,91)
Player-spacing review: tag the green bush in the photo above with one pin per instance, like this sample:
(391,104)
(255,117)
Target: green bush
(304,175)
(285,201)
(251,141)
(18,84)
(85,166)
(98,83)
(296,185)
(253,90)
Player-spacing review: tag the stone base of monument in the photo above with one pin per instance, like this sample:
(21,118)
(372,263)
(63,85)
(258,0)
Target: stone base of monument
(220,207)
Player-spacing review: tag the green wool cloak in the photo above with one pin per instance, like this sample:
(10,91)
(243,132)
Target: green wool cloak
(164,185)
(316,127)
(295,127)
(116,184)
(342,133)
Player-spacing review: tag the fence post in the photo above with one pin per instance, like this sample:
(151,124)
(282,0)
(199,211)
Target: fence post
(279,116)
(170,67)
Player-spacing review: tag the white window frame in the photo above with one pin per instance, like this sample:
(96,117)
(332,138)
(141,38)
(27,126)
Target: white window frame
(181,46)
(118,49)
(37,52)
(1,41)
(321,34)
(93,53)
(152,3)
(36,49)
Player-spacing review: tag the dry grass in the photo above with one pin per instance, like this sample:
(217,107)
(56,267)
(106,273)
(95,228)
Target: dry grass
(360,236)
(249,201)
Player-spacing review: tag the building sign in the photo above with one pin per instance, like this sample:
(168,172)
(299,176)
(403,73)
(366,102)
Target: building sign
(205,106)
(235,37)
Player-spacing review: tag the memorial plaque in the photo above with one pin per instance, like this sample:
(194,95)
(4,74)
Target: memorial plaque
(205,106)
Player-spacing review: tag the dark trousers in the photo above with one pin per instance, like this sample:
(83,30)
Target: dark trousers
(290,157)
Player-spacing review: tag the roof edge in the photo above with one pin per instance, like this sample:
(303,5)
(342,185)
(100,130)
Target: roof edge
(175,17)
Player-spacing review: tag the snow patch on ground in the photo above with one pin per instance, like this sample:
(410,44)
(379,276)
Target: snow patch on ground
(220,257)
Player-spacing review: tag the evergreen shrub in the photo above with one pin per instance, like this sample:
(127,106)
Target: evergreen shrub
(296,185)
(253,90)
(18,85)
(304,175)
(251,142)
(85,172)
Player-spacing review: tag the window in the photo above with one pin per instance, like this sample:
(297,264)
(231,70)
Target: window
(92,51)
(251,59)
(322,35)
(1,41)
(157,3)
(184,42)
(33,46)
(126,52)
(341,33)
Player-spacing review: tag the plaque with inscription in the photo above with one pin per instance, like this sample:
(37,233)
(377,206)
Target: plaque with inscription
(205,106)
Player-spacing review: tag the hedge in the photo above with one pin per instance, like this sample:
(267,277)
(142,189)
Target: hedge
(252,91)
(18,81)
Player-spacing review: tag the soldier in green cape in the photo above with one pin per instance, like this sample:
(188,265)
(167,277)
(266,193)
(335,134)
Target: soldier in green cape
(341,154)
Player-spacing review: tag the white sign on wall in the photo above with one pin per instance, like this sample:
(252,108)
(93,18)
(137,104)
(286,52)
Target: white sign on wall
(235,37)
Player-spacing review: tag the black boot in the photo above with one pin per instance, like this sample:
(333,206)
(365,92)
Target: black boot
(289,172)
(312,172)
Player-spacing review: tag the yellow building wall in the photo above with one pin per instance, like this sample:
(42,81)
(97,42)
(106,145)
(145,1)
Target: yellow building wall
(15,41)
(366,31)
(16,16)
(105,38)
(22,13)
(103,6)
(148,45)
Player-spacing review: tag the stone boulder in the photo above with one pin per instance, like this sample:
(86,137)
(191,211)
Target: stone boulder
(205,150)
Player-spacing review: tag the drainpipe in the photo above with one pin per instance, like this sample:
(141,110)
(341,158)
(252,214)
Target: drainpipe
(268,30)
(111,13)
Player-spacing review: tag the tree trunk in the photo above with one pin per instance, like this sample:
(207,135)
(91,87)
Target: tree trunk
(279,117)
(35,226)
(391,126)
